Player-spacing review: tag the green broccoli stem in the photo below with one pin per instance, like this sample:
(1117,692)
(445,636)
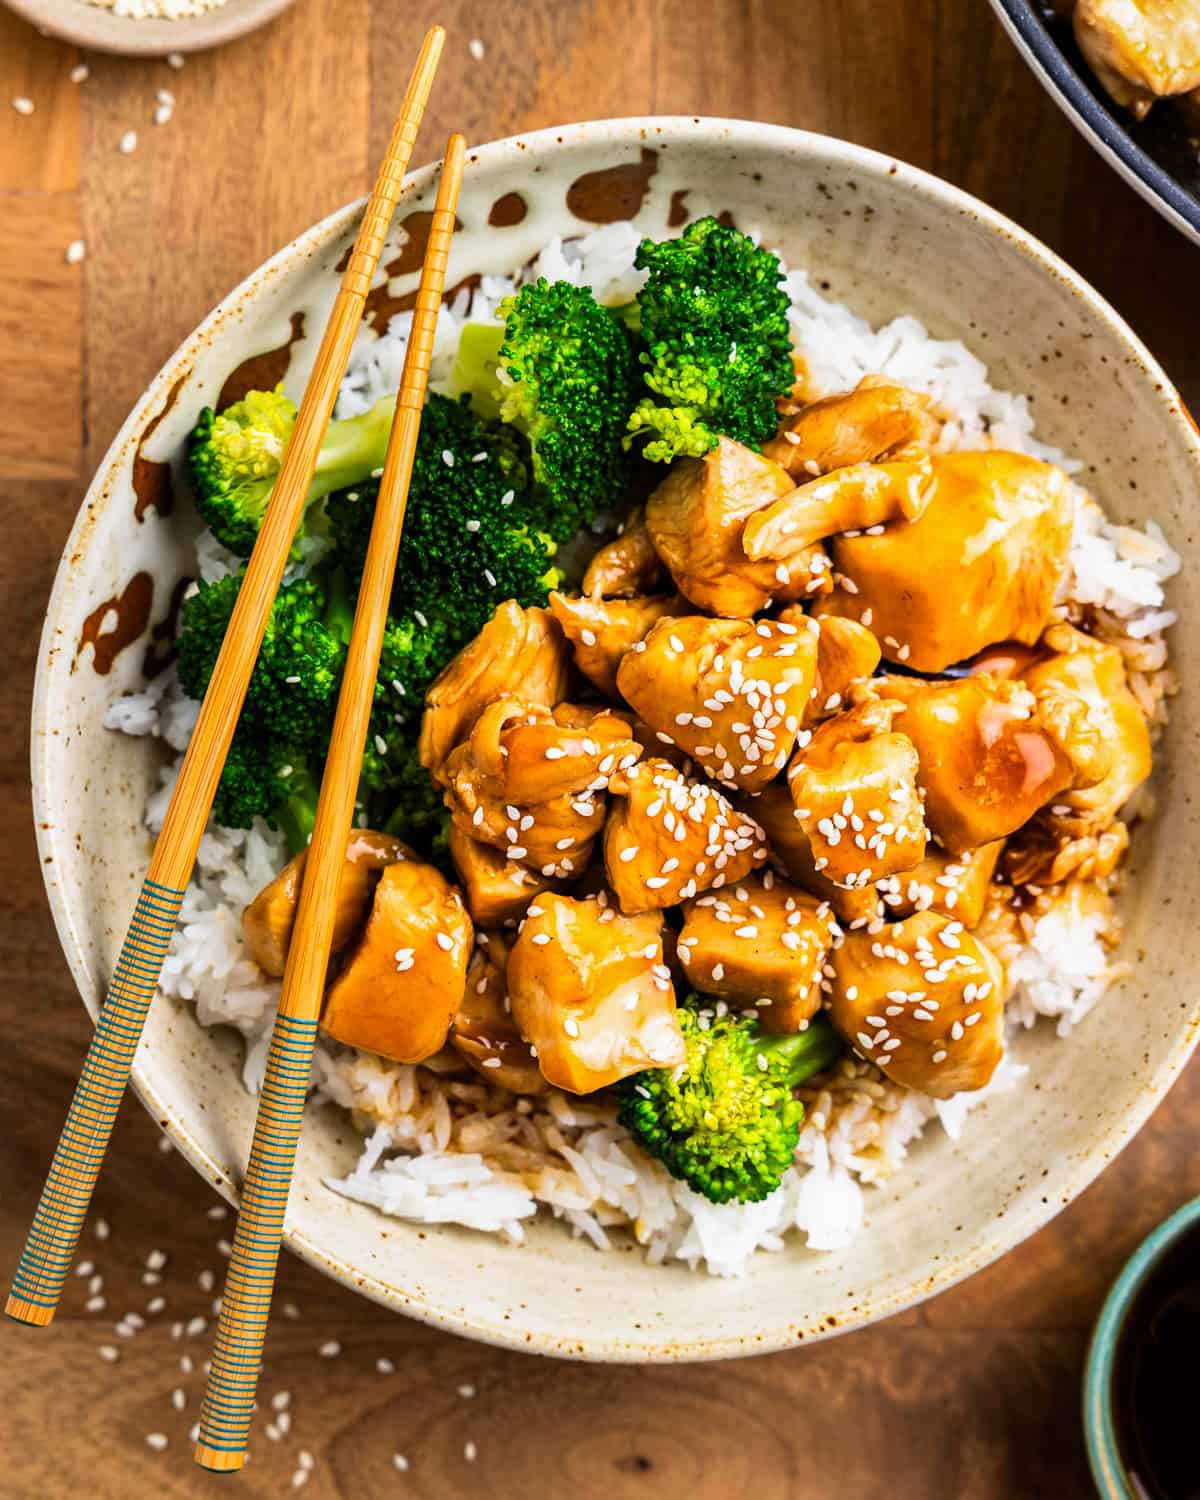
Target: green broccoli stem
(296,815)
(630,313)
(475,366)
(803,1054)
(339,609)
(352,449)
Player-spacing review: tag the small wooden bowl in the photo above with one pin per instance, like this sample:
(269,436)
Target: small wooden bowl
(99,30)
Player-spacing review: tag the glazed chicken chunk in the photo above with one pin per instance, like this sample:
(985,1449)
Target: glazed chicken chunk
(484,1032)
(669,837)
(980,565)
(791,853)
(601,631)
(696,517)
(856,796)
(1141,50)
(731,693)
(847,652)
(530,782)
(517,651)
(924,1001)
(268,921)
(497,889)
(628,566)
(1086,669)
(590,992)
(855,427)
(956,885)
(989,760)
(405,978)
(761,945)
(853,499)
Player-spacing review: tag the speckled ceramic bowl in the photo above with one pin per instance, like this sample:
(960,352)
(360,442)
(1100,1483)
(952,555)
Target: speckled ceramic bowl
(886,239)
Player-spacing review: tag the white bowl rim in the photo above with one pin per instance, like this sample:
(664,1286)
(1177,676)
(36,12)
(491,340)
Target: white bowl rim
(1028,1213)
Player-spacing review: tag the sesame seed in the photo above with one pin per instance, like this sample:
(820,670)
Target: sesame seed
(157,1441)
(476,48)
(400,1463)
(101,1229)
(109,1353)
(444,941)
(540,938)
(76,250)
(508,497)
(330,1349)
(175,60)
(22,105)
(79,73)
(470,1452)
(127,145)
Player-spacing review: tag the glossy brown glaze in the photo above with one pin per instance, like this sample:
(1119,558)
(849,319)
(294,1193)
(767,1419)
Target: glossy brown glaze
(613,193)
(117,623)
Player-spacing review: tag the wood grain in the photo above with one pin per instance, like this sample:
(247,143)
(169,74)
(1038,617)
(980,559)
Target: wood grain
(970,1397)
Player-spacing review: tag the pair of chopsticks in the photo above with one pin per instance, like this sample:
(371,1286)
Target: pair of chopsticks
(229,1400)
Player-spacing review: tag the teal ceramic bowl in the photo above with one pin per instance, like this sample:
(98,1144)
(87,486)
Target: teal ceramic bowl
(1104,1455)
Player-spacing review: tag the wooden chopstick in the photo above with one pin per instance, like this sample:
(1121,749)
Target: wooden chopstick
(71,1181)
(241,1329)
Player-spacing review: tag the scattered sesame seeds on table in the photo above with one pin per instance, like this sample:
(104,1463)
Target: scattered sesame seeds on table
(385,1418)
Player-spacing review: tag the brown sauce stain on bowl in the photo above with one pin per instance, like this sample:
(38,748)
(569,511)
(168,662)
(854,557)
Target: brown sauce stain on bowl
(412,253)
(151,478)
(381,307)
(160,650)
(677,214)
(508,209)
(261,372)
(131,608)
(613,193)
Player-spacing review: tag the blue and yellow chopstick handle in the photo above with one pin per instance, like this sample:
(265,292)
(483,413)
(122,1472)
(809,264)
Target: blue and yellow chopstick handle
(77,1161)
(229,1399)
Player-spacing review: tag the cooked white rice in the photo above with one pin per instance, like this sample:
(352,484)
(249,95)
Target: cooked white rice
(442,1148)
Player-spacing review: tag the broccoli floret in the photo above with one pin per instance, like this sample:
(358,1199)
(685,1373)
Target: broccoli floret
(413,805)
(293,689)
(414,652)
(716,347)
(726,1121)
(466,544)
(235,458)
(562,373)
(261,780)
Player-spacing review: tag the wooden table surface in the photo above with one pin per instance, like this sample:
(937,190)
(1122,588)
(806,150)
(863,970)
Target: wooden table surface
(973,1395)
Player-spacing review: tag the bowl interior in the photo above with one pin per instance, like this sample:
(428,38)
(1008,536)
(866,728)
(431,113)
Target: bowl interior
(887,240)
